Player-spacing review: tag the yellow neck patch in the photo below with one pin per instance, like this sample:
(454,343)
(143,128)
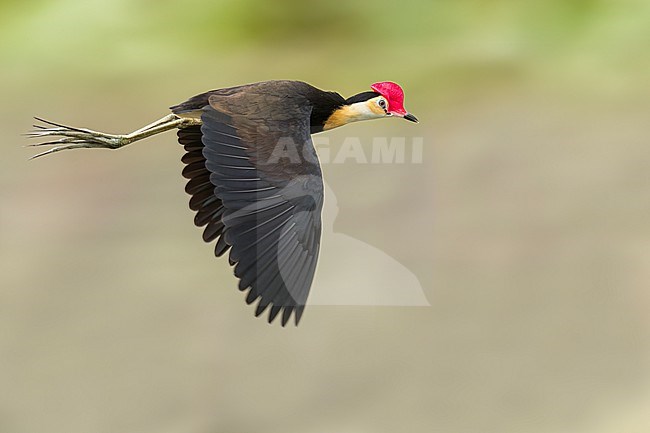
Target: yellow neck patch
(353,113)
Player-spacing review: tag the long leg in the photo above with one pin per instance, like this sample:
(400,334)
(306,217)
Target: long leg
(78,138)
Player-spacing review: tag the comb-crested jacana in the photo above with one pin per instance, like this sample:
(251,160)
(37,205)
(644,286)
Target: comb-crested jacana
(254,176)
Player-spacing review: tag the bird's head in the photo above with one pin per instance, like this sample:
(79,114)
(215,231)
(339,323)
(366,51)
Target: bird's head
(386,99)
(391,100)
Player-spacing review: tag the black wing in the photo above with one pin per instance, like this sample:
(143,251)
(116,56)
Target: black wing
(207,205)
(266,198)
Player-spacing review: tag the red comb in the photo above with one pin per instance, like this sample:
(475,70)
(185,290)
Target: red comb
(393,94)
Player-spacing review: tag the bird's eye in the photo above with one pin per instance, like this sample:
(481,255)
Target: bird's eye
(382,103)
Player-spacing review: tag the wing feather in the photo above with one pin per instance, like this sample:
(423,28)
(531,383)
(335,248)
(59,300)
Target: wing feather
(272,210)
(265,211)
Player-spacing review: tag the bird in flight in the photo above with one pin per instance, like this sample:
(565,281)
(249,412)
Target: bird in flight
(254,177)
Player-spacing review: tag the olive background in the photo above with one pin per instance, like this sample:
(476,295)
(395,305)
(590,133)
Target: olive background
(527,224)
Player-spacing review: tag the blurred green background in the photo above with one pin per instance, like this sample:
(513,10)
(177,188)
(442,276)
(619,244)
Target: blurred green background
(527,224)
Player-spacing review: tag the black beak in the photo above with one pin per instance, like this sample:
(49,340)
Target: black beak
(411,117)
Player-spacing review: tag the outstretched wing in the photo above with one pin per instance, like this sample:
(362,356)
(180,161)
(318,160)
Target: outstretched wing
(267,194)
(207,205)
